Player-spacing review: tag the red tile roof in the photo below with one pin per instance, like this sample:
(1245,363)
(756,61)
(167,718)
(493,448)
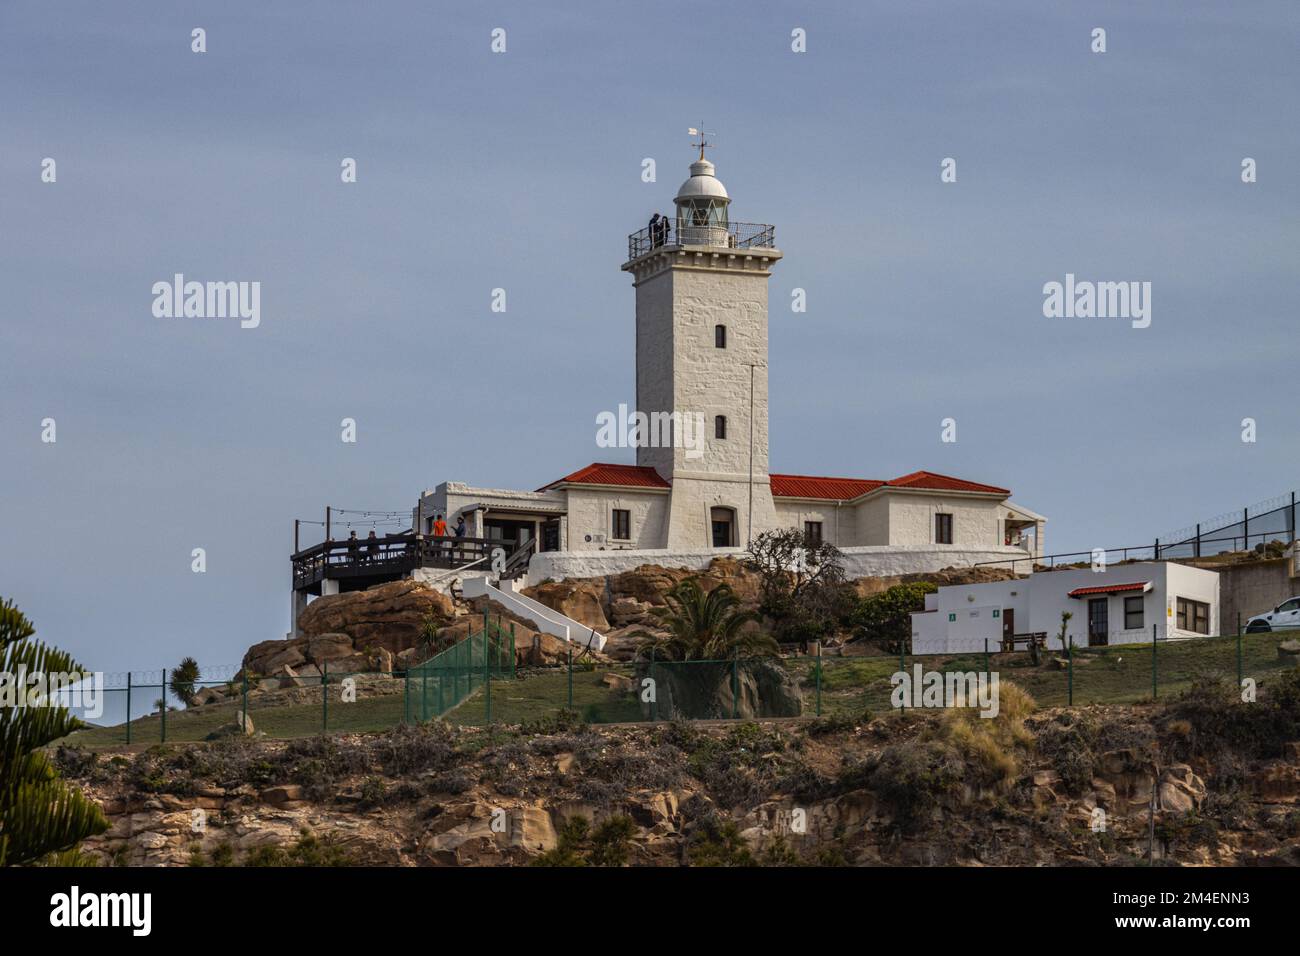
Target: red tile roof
(835,489)
(783,486)
(1110,589)
(845,489)
(599,473)
(931,481)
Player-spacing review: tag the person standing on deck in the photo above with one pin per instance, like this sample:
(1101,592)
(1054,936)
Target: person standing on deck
(440,531)
(459,533)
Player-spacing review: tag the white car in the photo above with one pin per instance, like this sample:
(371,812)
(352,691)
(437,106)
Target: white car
(1285,615)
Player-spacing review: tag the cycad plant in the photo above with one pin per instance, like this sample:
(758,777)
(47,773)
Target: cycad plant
(704,626)
(42,819)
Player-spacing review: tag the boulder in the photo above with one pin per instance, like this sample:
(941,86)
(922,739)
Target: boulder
(329,647)
(624,611)
(1181,790)
(268,657)
(388,615)
(577,600)
(1289,651)
(289,677)
(282,795)
(536,649)
(618,682)
(646,583)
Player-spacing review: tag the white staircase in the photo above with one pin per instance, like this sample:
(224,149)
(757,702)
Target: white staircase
(548,620)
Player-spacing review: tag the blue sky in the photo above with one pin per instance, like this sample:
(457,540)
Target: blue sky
(522,171)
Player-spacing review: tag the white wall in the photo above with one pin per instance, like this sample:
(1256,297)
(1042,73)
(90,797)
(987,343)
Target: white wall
(592,511)
(975,521)
(839,525)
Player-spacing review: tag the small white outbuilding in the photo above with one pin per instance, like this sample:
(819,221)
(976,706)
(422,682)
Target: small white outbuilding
(1115,604)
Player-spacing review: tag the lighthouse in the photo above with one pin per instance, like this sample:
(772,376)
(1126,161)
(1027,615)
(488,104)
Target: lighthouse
(701,359)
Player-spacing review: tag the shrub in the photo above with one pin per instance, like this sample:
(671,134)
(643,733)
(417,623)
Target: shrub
(717,842)
(579,845)
(886,618)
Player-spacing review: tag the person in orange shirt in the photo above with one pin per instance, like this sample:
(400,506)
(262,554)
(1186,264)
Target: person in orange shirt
(440,531)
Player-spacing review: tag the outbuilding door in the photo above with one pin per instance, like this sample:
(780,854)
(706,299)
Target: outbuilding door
(1098,622)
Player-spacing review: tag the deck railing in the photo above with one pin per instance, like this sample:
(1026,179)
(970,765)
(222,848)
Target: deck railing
(394,554)
(679,232)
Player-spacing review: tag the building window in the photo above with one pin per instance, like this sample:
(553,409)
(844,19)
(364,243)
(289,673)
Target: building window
(1193,616)
(622,524)
(720,426)
(720,336)
(942,528)
(812,533)
(1133,613)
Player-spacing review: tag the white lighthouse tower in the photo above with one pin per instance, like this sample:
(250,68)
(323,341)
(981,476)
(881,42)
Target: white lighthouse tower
(701,358)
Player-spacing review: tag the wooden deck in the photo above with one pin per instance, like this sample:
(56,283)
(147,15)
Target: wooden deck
(360,563)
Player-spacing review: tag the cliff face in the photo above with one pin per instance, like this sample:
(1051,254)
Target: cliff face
(1052,787)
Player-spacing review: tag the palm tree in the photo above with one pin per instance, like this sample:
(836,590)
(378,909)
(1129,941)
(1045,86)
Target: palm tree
(41,818)
(704,626)
(184,680)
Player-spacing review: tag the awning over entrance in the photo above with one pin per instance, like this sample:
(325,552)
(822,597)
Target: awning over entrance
(1142,586)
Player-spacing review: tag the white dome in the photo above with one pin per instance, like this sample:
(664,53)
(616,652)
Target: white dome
(702,184)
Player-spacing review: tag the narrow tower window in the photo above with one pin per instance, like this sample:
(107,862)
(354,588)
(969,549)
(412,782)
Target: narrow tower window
(720,336)
(720,427)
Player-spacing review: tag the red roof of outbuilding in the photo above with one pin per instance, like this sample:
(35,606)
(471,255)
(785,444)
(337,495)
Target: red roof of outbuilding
(1110,589)
(601,473)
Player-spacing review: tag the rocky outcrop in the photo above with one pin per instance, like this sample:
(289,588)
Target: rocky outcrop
(356,632)
(817,793)
(389,615)
(578,600)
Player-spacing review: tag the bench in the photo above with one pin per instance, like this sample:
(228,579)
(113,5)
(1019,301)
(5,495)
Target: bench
(1024,641)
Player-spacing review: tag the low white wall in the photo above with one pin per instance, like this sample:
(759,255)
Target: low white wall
(441,579)
(859,562)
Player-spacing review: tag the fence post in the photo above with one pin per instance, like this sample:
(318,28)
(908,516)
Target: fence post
(487,679)
(128,707)
(654,688)
(512,650)
(325,696)
(569,705)
(1154,683)
(1069,658)
(406,696)
(244,695)
(163,681)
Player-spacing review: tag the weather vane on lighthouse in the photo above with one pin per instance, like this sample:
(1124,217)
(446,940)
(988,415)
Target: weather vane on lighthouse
(703,143)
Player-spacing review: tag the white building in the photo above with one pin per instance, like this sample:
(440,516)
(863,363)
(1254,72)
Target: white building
(701,359)
(1121,605)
